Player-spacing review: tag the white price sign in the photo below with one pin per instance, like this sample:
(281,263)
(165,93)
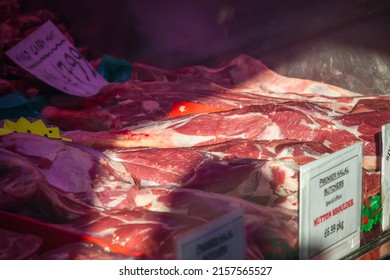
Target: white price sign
(385,179)
(330,205)
(222,239)
(49,56)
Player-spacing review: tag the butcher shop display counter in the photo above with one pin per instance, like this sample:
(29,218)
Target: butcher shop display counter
(233,135)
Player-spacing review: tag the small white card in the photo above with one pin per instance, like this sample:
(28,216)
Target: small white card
(222,239)
(385,177)
(50,57)
(330,205)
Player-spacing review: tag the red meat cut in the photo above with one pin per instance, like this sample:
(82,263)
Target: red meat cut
(20,179)
(164,214)
(257,170)
(257,122)
(18,246)
(75,178)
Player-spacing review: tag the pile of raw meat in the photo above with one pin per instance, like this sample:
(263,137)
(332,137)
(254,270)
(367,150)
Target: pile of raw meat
(144,168)
(14,27)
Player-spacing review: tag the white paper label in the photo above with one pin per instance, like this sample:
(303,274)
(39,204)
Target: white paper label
(49,56)
(385,179)
(222,239)
(330,205)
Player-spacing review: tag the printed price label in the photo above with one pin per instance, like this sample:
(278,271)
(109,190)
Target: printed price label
(330,205)
(49,56)
(385,179)
(223,239)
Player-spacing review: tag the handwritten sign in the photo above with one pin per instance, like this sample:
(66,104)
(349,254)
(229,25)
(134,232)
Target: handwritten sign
(222,239)
(49,56)
(330,205)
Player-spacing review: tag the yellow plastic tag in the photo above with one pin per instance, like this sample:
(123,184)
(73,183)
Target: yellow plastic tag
(37,127)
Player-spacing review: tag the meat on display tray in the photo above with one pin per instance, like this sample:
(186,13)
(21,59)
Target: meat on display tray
(297,115)
(347,200)
(223,238)
(55,237)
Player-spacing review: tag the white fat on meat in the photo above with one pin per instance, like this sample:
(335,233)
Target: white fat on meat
(256,185)
(148,183)
(320,89)
(327,143)
(312,126)
(286,153)
(33,146)
(114,157)
(290,202)
(272,132)
(160,125)
(67,176)
(290,171)
(351,129)
(117,200)
(184,140)
(121,169)
(219,155)
(145,198)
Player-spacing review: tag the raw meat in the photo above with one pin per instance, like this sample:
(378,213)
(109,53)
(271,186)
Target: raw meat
(369,105)
(263,224)
(129,104)
(73,119)
(299,121)
(262,171)
(74,172)
(24,189)
(297,151)
(245,76)
(245,73)
(371,183)
(287,150)
(150,94)
(366,126)
(81,251)
(147,232)
(20,180)
(257,122)
(191,169)
(18,246)
(163,214)
(114,107)
(184,167)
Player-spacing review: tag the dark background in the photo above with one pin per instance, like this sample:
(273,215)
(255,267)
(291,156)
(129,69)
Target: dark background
(345,43)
